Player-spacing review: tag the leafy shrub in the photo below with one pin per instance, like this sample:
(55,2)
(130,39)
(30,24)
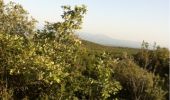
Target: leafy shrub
(138,84)
(155,61)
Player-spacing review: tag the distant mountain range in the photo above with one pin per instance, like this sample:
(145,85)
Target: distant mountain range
(108,41)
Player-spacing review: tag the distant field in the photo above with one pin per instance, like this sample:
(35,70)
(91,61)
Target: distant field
(116,51)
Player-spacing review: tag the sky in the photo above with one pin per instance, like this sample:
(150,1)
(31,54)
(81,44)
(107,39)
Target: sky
(134,20)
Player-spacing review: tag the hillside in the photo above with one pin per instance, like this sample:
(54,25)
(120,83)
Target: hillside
(116,51)
(108,41)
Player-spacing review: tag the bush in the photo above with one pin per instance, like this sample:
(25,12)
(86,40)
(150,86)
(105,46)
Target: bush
(138,84)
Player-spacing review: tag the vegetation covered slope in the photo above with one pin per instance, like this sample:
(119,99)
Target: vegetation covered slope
(54,64)
(92,47)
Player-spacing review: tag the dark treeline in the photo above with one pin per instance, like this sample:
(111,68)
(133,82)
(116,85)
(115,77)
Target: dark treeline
(53,63)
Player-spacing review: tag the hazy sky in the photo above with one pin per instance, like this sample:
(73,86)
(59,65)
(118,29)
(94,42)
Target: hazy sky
(134,20)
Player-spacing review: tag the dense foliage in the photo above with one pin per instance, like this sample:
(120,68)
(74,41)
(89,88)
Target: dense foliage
(53,63)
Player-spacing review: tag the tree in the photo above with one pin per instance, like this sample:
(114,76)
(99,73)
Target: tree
(15,20)
(53,57)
